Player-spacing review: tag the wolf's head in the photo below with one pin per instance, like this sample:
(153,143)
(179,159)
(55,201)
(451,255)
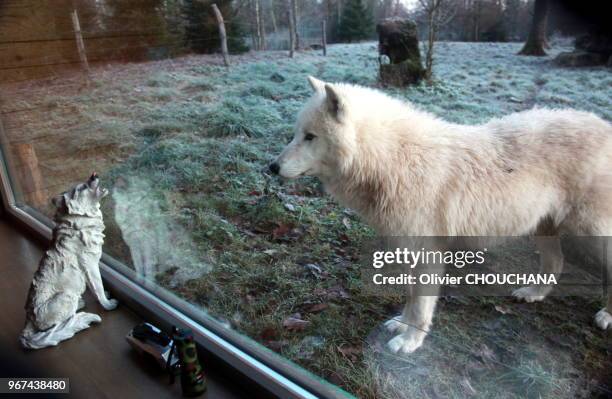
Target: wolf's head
(82,200)
(324,138)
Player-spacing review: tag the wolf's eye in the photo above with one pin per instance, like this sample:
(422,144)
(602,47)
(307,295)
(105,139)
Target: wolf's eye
(309,137)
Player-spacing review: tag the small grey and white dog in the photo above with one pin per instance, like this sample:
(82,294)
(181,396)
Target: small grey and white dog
(71,264)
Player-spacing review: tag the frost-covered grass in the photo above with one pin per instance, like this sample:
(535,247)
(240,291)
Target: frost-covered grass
(202,134)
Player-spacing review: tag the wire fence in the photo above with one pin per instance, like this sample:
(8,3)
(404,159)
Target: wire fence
(274,40)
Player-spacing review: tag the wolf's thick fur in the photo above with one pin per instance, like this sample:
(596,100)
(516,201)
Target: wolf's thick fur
(409,173)
(71,263)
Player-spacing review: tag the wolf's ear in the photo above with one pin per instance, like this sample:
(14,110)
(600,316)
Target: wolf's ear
(316,84)
(334,101)
(58,201)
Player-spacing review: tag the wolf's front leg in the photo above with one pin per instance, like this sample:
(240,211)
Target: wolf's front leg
(603,318)
(551,262)
(94,282)
(413,324)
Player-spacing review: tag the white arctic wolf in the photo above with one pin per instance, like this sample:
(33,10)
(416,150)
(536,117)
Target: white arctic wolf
(71,263)
(409,173)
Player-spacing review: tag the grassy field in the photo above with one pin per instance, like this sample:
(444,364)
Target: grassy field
(282,255)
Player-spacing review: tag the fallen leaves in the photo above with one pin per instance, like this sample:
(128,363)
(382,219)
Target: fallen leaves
(295,323)
(287,232)
(485,354)
(281,231)
(316,270)
(503,309)
(316,307)
(350,352)
(346,222)
(467,387)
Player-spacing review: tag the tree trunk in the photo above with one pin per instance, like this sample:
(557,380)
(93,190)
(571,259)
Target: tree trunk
(79,40)
(222,34)
(296,24)
(324,37)
(536,41)
(388,8)
(291,27)
(477,28)
(430,44)
(261,25)
(273,17)
(256,28)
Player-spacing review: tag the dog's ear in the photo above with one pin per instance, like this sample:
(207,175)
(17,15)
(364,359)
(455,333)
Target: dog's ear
(316,84)
(335,103)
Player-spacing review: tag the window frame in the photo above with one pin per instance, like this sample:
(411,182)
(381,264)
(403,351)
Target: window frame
(266,368)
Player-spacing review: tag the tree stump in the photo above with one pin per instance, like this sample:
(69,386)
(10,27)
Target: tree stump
(591,49)
(398,41)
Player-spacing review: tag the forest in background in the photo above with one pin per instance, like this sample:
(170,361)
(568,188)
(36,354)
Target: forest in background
(38,35)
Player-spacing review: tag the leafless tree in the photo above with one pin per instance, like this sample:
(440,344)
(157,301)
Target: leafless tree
(258,31)
(536,41)
(296,23)
(292,27)
(438,13)
(273,16)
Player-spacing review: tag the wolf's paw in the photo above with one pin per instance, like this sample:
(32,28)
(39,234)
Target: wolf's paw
(90,318)
(84,320)
(111,304)
(407,342)
(531,294)
(395,325)
(603,319)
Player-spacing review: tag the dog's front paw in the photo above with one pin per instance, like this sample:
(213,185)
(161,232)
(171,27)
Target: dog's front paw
(531,294)
(396,325)
(407,342)
(603,319)
(110,304)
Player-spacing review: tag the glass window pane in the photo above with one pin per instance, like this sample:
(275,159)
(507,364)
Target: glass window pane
(183,144)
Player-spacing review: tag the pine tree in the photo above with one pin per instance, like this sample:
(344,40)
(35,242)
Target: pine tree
(356,22)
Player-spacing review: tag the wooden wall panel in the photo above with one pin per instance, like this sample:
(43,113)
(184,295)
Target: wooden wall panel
(37,38)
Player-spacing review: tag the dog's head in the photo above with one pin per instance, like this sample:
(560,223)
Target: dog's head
(83,199)
(324,135)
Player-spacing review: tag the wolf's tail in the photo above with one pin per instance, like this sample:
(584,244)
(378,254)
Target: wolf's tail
(27,333)
(31,338)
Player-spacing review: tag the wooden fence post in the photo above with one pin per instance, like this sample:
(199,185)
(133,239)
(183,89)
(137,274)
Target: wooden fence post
(222,34)
(324,36)
(79,40)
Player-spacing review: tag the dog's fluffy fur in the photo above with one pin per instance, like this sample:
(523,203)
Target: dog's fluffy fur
(407,172)
(71,263)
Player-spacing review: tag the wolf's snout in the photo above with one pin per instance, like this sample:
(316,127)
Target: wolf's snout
(274,168)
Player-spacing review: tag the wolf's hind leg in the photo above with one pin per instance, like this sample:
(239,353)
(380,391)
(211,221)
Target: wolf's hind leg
(56,310)
(551,262)
(60,332)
